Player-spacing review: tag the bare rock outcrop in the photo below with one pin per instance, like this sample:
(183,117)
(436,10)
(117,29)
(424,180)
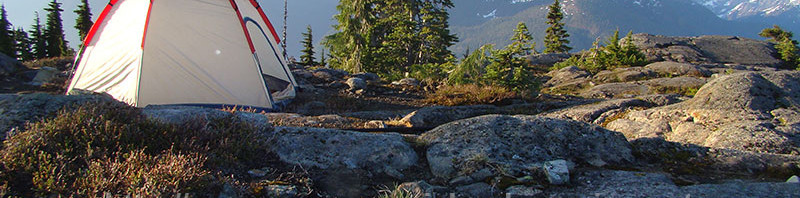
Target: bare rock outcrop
(753,111)
(336,149)
(518,143)
(16,110)
(708,49)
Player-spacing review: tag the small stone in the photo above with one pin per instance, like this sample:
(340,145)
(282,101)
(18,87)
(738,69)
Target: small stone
(420,188)
(522,192)
(407,82)
(481,174)
(375,124)
(360,92)
(476,190)
(597,162)
(356,83)
(557,172)
(281,191)
(463,180)
(793,179)
(257,173)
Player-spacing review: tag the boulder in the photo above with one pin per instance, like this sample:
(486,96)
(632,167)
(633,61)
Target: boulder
(174,114)
(547,60)
(518,143)
(662,99)
(303,77)
(281,191)
(753,111)
(9,66)
(739,50)
(44,75)
(606,183)
(479,189)
(412,82)
(557,172)
(669,68)
(438,115)
(16,110)
(738,188)
(708,49)
(385,153)
(325,75)
(523,192)
(683,85)
(356,83)
(699,159)
(321,121)
(368,77)
(565,75)
(591,113)
(419,188)
(626,74)
(616,90)
(570,88)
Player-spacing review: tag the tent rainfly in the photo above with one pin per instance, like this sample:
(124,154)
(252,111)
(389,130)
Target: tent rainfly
(195,52)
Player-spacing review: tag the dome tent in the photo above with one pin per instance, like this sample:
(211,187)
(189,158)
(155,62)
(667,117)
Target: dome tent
(196,52)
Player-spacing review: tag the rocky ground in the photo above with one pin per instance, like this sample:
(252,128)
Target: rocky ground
(712,116)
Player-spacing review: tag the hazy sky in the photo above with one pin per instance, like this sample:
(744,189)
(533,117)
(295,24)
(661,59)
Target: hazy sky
(21,14)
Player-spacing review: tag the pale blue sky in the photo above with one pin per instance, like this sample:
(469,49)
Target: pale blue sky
(21,14)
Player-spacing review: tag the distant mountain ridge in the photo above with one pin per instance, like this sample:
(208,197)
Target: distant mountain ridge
(492,21)
(737,9)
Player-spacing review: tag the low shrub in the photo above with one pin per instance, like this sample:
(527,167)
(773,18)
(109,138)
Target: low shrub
(111,147)
(612,54)
(60,63)
(470,94)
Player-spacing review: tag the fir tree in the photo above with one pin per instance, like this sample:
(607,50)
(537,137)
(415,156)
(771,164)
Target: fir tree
(307,58)
(390,36)
(776,34)
(323,59)
(610,56)
(39,43)
(522,39)
(23,45)
(509,68)
(6,34)
(786,46)
(84,21)
(556,39)
(54,32)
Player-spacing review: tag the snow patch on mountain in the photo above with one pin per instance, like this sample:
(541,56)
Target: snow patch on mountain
(736,9)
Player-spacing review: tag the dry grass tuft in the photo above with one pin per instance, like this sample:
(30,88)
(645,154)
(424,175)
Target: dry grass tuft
(110,147)
(470,94)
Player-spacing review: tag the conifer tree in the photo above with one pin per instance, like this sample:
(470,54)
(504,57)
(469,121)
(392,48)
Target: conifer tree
(54,32)
(39,43)
(84,21)
(522,39)
(509,68)
(6,34)
(388,37)
(307,58)
(556,39)
(322,59)
(23,45)
(786,46)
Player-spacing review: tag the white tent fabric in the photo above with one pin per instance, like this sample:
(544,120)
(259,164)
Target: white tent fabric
(202,52)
